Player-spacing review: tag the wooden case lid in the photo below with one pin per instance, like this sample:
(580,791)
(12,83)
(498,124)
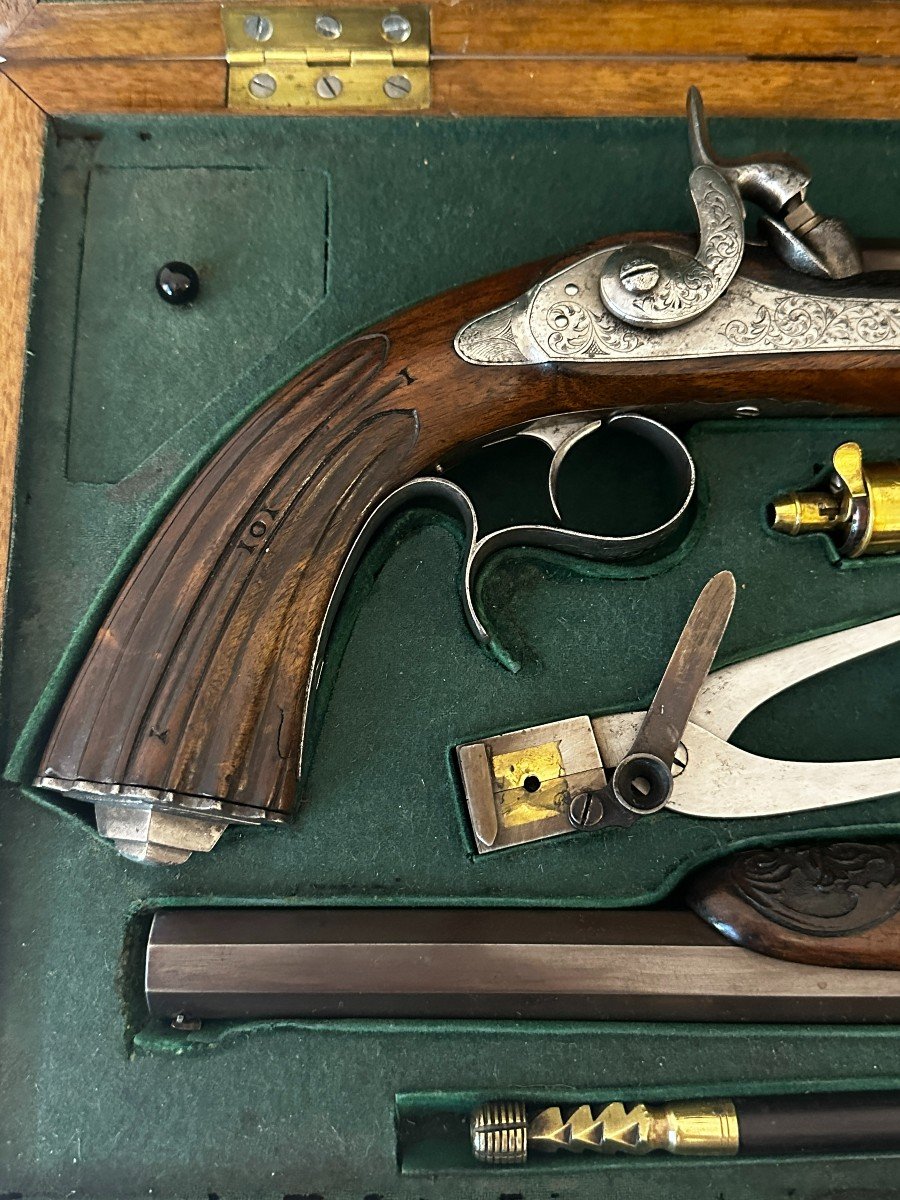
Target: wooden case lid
(821,58)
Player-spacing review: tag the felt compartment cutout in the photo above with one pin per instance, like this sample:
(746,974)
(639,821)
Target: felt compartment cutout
(592,636)
(257,239)
(146,1036)
(433,1137)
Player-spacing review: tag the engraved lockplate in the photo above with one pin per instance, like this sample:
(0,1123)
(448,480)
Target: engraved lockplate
(645,285)
(517,785)
(564,320)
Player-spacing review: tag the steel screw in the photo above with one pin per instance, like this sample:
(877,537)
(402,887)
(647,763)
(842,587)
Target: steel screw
(329,87)
(395,27)
(328,27)
(262,86)
(680,761)
(396,87)
(258,27)
(639,275)
(586,810)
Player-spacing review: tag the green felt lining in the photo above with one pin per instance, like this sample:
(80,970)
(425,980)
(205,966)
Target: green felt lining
(309,1108)
(590,637)
(258,241)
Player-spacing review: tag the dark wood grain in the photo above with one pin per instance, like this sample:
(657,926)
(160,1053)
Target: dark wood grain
(833,904)
(197,682)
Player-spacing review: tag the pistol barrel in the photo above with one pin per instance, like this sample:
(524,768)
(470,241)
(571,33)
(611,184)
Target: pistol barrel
(482,963)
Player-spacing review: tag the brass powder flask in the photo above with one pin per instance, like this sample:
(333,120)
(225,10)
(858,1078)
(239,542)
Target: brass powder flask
(859,506)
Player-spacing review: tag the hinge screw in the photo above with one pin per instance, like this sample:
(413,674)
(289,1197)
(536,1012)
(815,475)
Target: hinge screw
(396,27)
(262,86)
(328,27)
(328,87)
(258,27)
(396,87)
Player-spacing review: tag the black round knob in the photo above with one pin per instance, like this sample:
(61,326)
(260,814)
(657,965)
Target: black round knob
(177,282)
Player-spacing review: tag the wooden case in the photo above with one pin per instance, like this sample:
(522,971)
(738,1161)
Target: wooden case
(819,58)
(498,58)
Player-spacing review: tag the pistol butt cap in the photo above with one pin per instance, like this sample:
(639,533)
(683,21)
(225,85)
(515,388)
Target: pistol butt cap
(499,1133)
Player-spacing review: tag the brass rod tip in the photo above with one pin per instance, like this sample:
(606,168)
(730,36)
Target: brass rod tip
(499,1133)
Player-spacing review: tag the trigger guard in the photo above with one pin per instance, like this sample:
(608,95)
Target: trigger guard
(603,547)
(670,446)
(429,488)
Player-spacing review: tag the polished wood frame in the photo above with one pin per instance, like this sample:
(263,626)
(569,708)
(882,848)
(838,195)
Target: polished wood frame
(817,58)
(21,146)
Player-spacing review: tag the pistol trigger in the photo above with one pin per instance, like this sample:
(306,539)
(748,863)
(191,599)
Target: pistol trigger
(611,547)
(575,434)
(560,434)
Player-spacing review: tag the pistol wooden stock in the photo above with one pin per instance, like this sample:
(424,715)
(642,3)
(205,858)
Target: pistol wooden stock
(195,690)
(832,904)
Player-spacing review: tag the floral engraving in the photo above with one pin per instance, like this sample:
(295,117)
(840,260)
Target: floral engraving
(828,889)
(801,322)
(490,339)
(689,289)
(572,328)
(689,285)
(723,239)
(580,332)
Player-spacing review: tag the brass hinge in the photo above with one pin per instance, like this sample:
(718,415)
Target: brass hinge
(288,57)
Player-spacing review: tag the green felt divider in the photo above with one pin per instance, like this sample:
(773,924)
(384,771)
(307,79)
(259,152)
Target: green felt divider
(413,206)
